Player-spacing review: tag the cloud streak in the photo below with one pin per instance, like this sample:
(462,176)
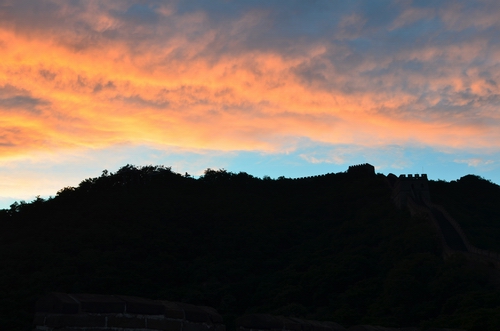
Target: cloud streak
(247,75)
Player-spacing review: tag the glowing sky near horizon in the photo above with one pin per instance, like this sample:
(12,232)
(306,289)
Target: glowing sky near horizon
(291,88)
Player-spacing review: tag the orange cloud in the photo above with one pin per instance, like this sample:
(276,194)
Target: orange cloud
(84,88)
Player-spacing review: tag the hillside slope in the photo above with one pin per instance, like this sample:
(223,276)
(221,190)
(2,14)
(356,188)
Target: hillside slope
(474,203)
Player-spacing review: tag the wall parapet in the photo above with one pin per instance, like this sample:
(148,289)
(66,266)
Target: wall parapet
(381,328)
(82,312)
(266,322)
(470,247)
(256,322)
(96,312)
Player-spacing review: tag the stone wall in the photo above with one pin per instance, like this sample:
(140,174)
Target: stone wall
(257,322)
(412,191)
(265,322)
(95,312)
(82,312)
(381,328)
(424,212)
(311,177)
(471,248)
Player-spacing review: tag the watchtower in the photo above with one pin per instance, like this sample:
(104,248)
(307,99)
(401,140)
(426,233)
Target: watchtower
(415,187)
(364,169)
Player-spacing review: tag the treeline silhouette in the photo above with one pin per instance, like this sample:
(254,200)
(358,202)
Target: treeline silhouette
(332,247)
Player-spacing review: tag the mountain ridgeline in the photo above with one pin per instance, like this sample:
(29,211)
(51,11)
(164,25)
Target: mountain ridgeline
(333,247)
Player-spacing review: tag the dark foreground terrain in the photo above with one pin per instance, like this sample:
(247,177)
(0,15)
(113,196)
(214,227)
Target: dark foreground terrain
(332,248)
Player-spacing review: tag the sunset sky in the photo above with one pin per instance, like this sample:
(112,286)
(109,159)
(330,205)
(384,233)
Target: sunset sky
(292,88)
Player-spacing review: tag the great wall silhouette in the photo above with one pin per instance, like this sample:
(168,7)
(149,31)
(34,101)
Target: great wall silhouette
(85,312)
(412,191)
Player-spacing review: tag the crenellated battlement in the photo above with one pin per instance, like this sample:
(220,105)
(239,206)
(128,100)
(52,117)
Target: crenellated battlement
(363,169)
(413,176)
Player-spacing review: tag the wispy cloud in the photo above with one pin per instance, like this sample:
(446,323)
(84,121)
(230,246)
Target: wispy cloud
(474,162)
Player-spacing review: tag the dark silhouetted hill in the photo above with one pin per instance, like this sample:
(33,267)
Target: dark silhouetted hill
(331,247)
